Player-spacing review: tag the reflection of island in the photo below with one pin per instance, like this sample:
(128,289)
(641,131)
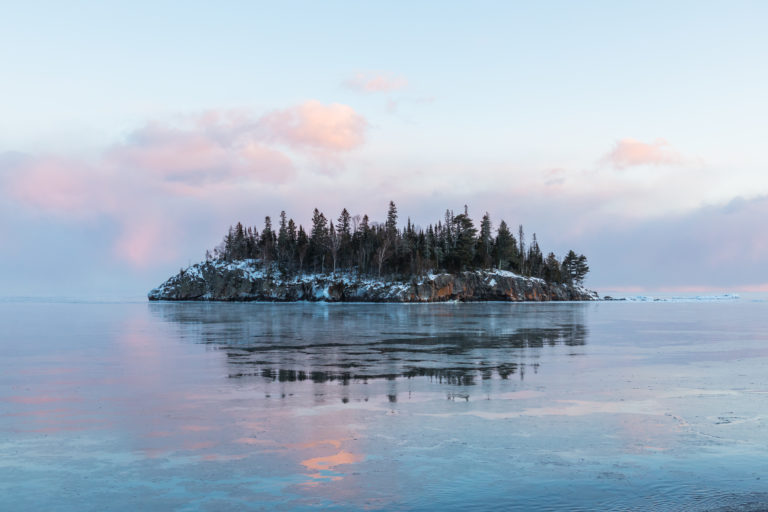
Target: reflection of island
(454,344)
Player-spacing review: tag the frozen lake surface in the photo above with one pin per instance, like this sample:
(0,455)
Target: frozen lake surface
(562,406)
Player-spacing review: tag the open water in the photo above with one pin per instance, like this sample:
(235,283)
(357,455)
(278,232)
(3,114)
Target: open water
(562,406)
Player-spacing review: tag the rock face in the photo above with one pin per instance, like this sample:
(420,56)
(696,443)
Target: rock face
(247,281)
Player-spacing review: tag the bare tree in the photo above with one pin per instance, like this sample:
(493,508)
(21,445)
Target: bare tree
(382,252)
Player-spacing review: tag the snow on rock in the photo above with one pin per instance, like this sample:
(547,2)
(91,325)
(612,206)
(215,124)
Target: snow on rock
(249,280)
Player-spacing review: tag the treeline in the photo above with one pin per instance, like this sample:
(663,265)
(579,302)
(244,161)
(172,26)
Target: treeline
(354,243)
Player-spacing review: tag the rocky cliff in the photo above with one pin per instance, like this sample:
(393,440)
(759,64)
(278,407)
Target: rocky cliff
(248,281)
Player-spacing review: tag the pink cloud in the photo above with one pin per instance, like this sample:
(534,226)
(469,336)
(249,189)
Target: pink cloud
(630,152)
(375,82)
(145,241)
(194,159)
(312,125)
(58,185)
(189,163)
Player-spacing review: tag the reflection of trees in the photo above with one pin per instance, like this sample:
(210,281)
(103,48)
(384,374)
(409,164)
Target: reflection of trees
(453,344)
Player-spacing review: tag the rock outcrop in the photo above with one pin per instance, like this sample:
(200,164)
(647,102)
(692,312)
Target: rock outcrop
(248,281)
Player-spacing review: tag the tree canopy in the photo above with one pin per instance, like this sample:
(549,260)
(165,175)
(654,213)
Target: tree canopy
(356,244)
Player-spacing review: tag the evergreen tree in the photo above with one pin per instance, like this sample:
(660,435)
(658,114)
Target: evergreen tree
(282,239)
(229,244)
(582,269)
(318,240)
(267,242)
(344,231)
(465,241)
(574,268)
(302,247)
(391,224)
(239,251)
(521,251)
(505,247)
(485,243)
(552,272)
(365,244)
(534,259)
(354,243)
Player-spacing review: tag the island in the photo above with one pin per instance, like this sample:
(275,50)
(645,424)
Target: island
(356,260)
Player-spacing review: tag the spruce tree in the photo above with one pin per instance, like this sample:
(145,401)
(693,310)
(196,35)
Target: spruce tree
(534,259)
(582,269)
(357,244)
(302,247)
(317,240)
(521,251)
(391,224)
(344,231)
(267,243)
(282,240)
(485,242)
(465,241)
(505,247)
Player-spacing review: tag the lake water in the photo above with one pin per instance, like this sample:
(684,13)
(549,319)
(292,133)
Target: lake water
(569,406)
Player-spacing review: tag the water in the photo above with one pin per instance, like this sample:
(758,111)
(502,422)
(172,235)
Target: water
(603,406)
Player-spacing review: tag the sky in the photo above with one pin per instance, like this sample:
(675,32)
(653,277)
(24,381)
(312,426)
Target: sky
(132,134)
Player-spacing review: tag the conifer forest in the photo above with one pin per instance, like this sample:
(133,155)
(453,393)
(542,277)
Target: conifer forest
(353,243)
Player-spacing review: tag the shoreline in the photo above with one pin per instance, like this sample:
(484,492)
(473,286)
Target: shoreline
(245,281)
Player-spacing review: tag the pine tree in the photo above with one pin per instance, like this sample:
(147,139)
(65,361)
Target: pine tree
(283,249)
(505,247)
(391,224)
(568,267)
(552,272)
(318,240)
(354,243)
(302,247)
(344,231)
(485,242)
(239,248)
(229,244)
(534,259)
(365,244)
(465,241)
(582,269)
(521,251)
(292,250)
(267,243)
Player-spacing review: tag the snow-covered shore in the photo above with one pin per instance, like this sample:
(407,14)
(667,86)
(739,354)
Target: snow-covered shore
(248,280)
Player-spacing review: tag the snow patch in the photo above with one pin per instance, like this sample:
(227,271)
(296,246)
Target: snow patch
(698,298)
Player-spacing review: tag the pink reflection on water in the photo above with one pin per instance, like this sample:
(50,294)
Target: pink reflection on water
(331,461)
(324,467)
(199,445)
(196,428)
(41,399)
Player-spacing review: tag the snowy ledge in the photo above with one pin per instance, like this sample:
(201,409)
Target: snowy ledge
(249,280)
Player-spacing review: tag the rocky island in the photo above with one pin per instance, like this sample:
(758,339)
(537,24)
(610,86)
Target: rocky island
(360,261)
(246,281)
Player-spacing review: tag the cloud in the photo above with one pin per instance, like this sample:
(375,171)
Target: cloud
(55,184)
(630,152)
(719,246)
(191,158)
(141,241)
(315,126)
(375,82)
(149,183)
